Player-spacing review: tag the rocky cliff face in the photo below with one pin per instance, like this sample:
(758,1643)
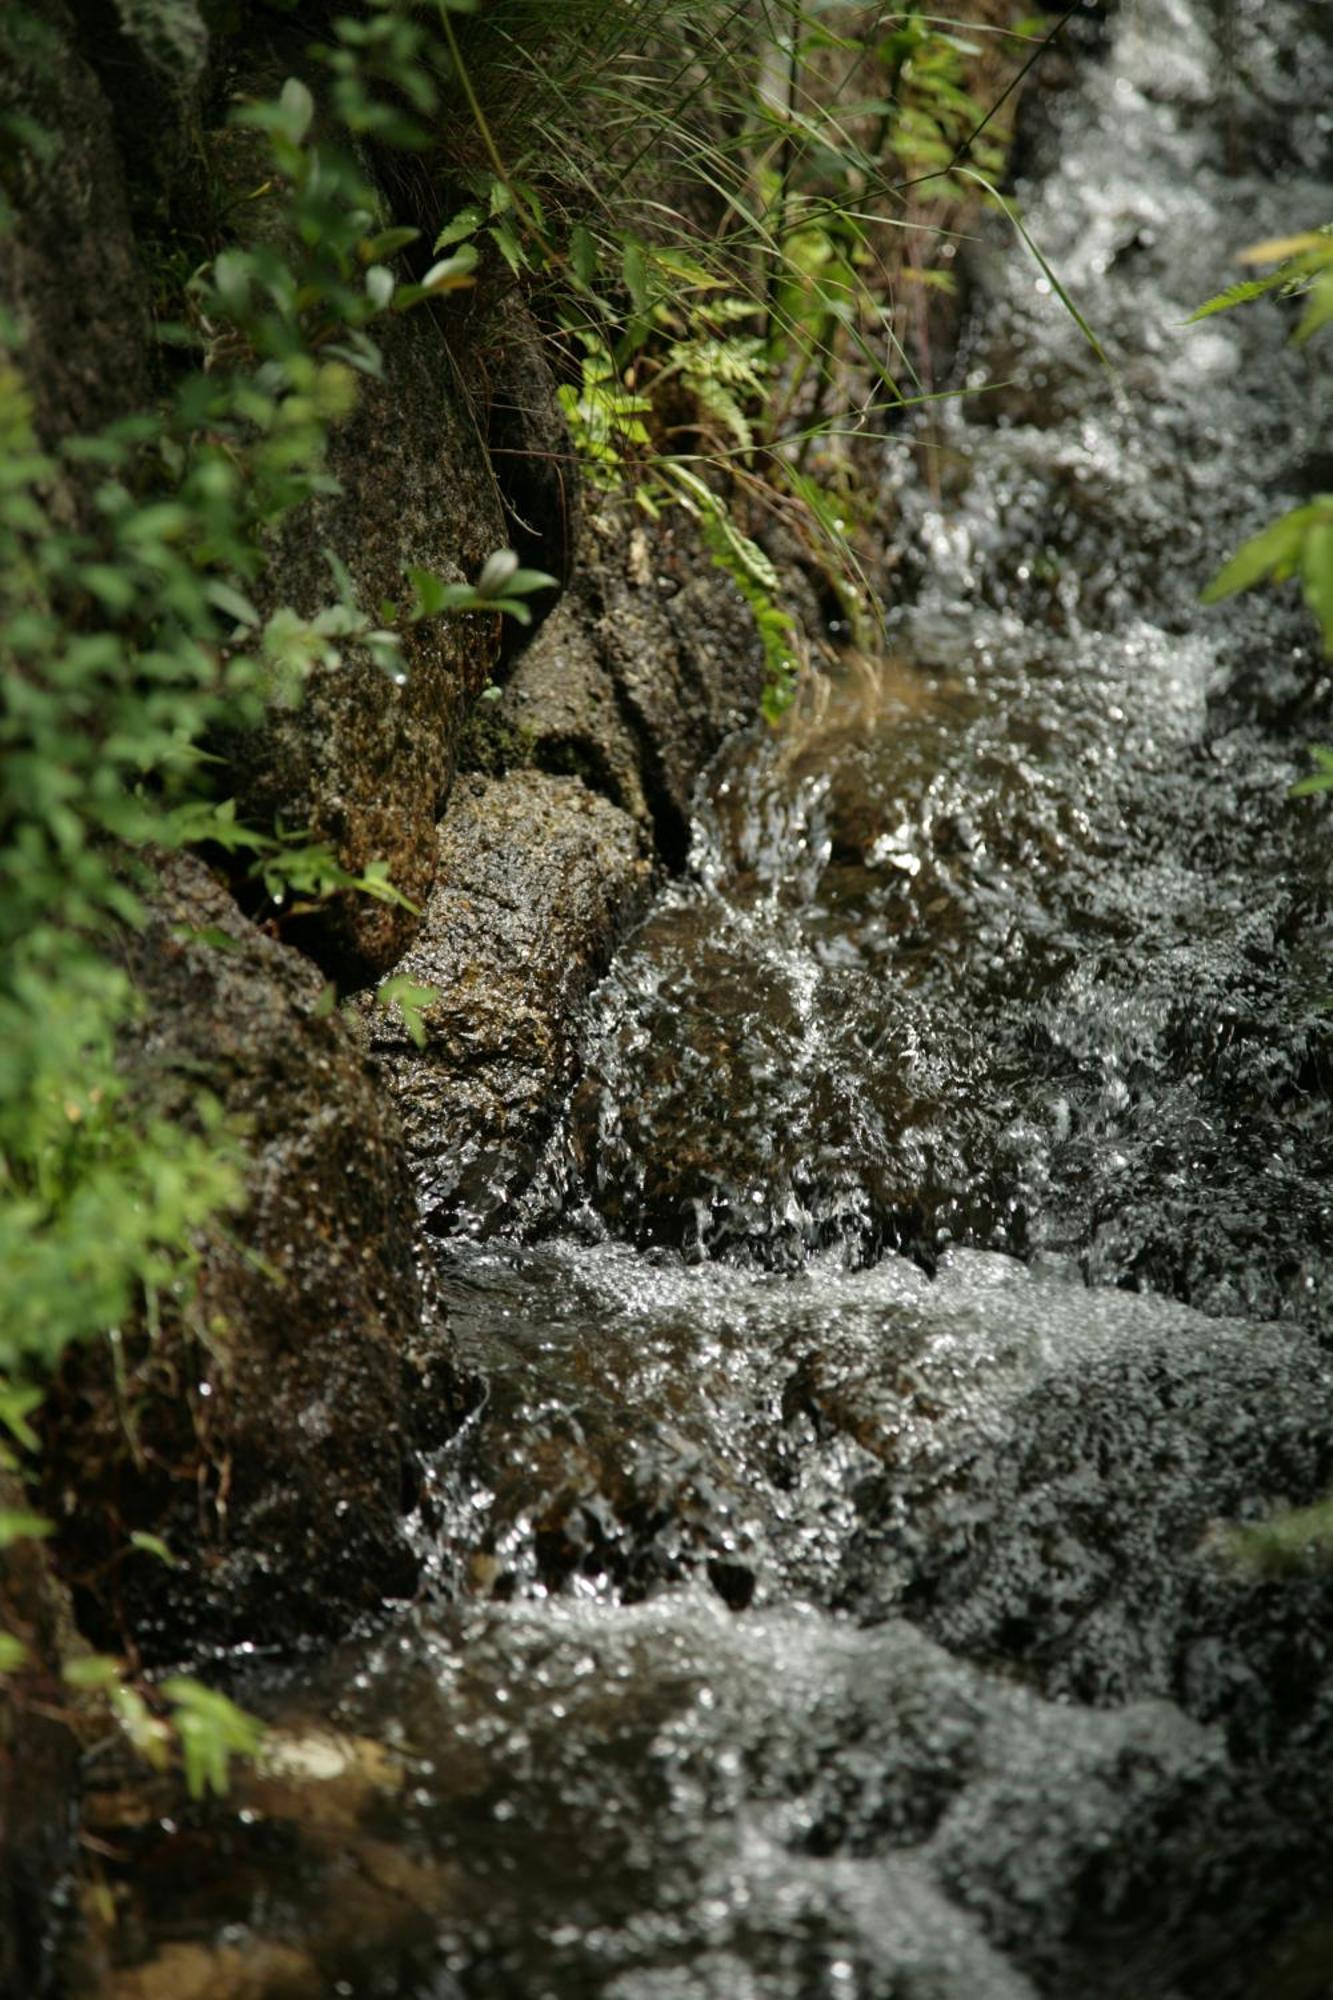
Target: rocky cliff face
(275,1415)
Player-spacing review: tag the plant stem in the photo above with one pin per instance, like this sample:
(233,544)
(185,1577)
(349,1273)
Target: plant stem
(786,161)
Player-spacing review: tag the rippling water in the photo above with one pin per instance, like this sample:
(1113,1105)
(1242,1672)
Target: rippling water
(826,1590)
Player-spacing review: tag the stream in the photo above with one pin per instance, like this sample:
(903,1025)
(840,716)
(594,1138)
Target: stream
(827,1599)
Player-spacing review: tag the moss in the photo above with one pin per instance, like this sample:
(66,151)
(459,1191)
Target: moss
(491,743)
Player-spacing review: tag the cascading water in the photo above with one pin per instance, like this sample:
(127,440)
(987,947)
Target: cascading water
(832,1605)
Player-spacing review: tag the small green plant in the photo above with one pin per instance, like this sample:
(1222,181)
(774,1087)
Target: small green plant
(211,1731)
(1299,1538)
(1300,543)
(502,585)
(1320,779)
(604,417)
(203,1727)
(411,1000)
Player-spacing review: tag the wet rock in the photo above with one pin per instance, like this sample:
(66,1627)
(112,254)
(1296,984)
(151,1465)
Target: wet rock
(320,1776)
(647,664)
(537,879)
(743,1099)
(69,270)
(782,1804)
(1051,1503)
(268,1442)
(561,705)
(259,1971)
(534,461)
(577,1479)
(365,761)
(39,1759)
(153,58)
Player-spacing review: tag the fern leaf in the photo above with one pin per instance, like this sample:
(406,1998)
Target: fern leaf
(1234,295)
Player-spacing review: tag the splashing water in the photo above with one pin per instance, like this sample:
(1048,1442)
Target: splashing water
(826,1596)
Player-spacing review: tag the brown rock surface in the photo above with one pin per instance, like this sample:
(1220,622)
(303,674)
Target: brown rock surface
(269,1419)
(645,666)
(365,761)
(538,879)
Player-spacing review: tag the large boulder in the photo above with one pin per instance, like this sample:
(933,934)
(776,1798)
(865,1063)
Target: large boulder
(649,661)
(538,878)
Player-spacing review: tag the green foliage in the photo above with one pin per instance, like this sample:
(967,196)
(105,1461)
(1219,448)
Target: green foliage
(17,1525)
(152,1545)
(211,1731)
(718,248)
(502,585)
(1298,1538)
(411,1000)
(203,1727)
(605,419)
(776,628)
(1321,778)
(1300,543)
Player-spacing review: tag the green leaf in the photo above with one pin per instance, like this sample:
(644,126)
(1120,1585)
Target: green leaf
(411,1000)
(387,243)
(211,1730)
(114,589)
(459,227)
(13,1653)
(93,1671)
(17,1403)
(380,283)
(234,602)
(152,1545)
(1300,1538)
(497,570)
(430,593)
(1235,295)
(524,581)
(18,1526)
(231,277)
(1317,577)
(1278,249)
(298,109)
(1318,312)
(582,254)
(634,270)
(209,934)
(452,272)
(1320,780)
(149,1736)
(1275,549)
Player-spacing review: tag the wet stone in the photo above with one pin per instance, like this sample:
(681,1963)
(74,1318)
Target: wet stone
(537,878)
